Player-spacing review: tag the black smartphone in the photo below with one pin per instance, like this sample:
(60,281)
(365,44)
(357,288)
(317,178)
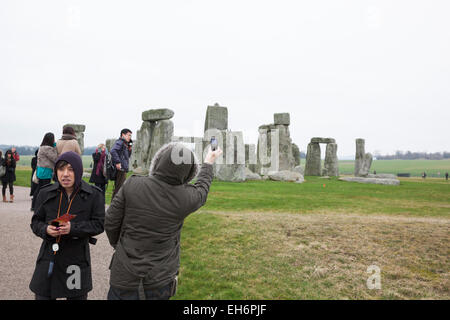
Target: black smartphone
(55,224)
(214,144)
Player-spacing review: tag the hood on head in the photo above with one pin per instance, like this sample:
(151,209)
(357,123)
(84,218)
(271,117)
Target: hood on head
(175,164)
(75,161)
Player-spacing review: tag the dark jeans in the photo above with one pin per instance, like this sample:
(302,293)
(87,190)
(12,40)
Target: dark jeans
(83,297)
(42,182)
(11,188)
(163,293)
(121,176)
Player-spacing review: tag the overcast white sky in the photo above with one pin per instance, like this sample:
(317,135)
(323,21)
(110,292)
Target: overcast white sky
(378,70)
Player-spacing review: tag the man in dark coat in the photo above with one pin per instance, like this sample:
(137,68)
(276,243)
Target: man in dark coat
(63,266)
(144,223)
(120,156)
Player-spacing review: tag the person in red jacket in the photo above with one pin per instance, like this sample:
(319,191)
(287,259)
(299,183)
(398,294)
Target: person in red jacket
(15,154)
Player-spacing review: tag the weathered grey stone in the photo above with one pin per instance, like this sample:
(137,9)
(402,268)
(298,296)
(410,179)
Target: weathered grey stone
(281,119)
(157,114)
(382,176)
(300,170)
(363,160)
(285,175)
(250,157)
(216,117)
(230,166)
(393,182)
(331,165)
(272,156)
(296,154)
(79,132)
(249,175)
(109,143)
(161,133)
(313,162)
(322,140)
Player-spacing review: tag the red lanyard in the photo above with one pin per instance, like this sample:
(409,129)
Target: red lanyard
(68,210)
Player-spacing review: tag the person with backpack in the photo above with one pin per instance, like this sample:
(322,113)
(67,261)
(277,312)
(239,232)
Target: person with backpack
(10,175)
(120,155)
(68,142)
(47,156)
(97,175)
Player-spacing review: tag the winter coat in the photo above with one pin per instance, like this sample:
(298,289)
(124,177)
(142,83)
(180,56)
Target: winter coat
(33,169)
(99,179)
(121,154)
(10,174)
(89,207)
(144,221)
(68,143)
(46,162)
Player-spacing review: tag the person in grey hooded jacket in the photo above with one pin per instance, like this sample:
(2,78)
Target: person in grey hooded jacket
(144,221)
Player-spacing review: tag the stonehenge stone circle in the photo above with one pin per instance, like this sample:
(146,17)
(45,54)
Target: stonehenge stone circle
(79,132)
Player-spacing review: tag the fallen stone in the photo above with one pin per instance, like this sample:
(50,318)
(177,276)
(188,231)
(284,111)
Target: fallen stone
(299,169)
(285,175)
(392,182)
(382,176)
(249,175)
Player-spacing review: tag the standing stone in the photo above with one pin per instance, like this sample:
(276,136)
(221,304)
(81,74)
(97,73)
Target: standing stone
(160,133)
(296,154)
(79,132)
(273,155)
(216,118)
(313,162)
(363,160)
(109,143)
(250,157)
(331,166)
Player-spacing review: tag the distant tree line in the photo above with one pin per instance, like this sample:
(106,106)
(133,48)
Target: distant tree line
(408,155)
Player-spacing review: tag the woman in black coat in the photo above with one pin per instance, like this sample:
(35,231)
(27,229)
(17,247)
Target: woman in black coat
(97,177)
(63,266)
(33,169)
(10,176)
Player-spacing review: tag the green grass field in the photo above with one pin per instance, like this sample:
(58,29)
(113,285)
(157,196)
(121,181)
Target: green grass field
(277,240)
(414,167)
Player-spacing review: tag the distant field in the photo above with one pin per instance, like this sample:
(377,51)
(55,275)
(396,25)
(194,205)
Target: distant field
(25,161)
(414,167)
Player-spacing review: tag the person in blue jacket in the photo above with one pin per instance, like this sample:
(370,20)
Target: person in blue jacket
(120,156)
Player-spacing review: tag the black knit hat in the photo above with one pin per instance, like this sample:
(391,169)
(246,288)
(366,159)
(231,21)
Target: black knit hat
(77,164)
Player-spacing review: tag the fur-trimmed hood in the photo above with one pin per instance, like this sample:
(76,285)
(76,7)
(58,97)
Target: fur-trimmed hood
(175,164)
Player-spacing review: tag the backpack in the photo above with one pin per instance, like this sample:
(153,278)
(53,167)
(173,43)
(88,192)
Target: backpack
(109,169)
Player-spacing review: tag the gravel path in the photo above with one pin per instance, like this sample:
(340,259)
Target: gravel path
(19,248)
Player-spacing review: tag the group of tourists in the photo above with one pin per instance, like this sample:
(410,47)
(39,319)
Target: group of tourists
(143,223)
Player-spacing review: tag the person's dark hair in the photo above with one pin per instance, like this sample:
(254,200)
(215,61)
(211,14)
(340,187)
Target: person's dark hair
(49,139)
(61,164)
(68,130)
(125,131)
(6,157)
(1,153)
